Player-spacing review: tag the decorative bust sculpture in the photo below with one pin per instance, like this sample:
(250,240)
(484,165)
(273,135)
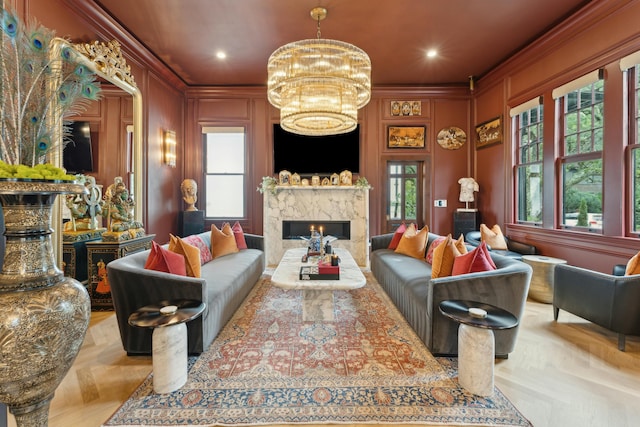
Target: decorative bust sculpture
(467,187)
(189,188)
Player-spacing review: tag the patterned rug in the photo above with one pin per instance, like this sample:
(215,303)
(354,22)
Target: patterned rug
(317,357)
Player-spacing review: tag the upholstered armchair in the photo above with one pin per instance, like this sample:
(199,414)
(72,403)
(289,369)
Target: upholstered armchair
(608,300)
(514,249)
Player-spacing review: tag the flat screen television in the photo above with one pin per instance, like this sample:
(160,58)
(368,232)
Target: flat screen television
(315,155)
(77,155)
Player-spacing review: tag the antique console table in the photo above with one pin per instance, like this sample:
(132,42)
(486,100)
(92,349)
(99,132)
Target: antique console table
(99,254)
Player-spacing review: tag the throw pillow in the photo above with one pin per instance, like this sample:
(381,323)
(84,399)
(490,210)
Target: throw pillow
(472,262)
(443,257)
(413,245)
(198,242)
(438,241)
(493,236)
(633,266)
(161,259)
(190,253)
(238,233)
(397,236)
(223,242)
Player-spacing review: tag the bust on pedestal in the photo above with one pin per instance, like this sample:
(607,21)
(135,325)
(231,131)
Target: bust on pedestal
(191,221)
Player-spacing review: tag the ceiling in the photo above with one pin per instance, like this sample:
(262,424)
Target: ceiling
(471,36)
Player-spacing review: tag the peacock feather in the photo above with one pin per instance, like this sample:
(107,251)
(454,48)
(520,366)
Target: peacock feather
(42,84)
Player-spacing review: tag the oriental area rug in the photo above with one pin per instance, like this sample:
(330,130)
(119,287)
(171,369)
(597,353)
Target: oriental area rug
(317,357)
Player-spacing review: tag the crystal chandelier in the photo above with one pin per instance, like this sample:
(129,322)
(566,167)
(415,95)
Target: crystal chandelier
(319,84)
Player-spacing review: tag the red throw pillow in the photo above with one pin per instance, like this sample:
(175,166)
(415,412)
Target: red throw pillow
(397,236)
(239,235)
(205,252)
(474,261)
(161,259)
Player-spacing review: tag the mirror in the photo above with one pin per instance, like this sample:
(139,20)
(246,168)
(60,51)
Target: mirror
(106,60)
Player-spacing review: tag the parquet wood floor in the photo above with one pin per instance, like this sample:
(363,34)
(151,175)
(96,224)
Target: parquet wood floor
(561,374)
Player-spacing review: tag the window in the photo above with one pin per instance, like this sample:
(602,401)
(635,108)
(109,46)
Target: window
(634,142)
(225,172)
(581,142)
(528,169)
(403,204)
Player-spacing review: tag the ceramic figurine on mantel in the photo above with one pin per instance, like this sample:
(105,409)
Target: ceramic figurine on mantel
(44,315)
(468,186)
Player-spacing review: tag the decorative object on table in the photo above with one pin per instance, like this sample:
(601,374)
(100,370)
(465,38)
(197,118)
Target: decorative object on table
(84,209)
(406,137)
(346,178)
(319,97)
(121,223)
(451,138)
(189,190)
(295,179)
(284,177)
(335,179)
(468,186)
(489,132)
(315,180)
(406,108)
(315,242)
(268,184)
(45,315)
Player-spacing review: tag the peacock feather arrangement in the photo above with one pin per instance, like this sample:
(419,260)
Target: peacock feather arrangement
(42,85)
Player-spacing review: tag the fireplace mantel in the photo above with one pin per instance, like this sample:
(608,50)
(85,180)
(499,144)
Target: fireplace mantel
(321,203)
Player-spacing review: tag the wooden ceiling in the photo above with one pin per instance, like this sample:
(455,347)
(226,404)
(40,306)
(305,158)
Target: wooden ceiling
(471,36)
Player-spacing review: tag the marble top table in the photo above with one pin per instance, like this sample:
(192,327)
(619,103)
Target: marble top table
(287,273)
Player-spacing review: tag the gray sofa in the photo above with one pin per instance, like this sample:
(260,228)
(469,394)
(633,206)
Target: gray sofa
(223,285)
(514,249)
(408,283)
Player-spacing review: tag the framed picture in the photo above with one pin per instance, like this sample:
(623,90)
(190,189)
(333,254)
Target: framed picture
(406,108)
(406,137)
(489,132)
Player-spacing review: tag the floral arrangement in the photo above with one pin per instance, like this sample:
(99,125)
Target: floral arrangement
(42,84)
(268,184)
(362,182)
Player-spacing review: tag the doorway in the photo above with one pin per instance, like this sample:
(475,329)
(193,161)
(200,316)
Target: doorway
(404,193)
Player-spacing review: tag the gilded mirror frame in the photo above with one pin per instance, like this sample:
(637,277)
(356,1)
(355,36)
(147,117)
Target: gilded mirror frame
(107,61)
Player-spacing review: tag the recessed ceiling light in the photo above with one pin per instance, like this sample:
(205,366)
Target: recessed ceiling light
(221,55)
(432,53)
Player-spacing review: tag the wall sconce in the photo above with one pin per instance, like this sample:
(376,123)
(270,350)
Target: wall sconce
(170,148)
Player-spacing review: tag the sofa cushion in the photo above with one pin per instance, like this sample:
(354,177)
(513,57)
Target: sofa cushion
(413,244)
(633,266)
(190,253)
(397,235)
(238,233)
(223,242)
(474,261)
(493,237)
(161,259)
(443,258)
(433,246)
(197,241)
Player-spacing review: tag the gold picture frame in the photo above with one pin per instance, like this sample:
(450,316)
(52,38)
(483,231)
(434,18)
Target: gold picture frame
(406,136)
(489,132)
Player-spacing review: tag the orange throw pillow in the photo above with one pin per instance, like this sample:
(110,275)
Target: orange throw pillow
(443,258)
(493,237)
(160,259)
(633,266)
(223,242)
(190,253)
(413,245)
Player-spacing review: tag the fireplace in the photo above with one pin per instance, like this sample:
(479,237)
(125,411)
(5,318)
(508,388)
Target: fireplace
(295,229)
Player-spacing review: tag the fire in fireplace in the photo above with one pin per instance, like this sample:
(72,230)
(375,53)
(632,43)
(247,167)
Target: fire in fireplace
(296,229)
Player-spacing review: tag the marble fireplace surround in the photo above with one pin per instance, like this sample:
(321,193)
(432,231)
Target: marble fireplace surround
(316,204)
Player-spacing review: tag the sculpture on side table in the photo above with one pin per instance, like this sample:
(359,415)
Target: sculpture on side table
(121,224)
(189,188)
(84,209)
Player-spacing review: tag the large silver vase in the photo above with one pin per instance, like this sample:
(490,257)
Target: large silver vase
(44,316)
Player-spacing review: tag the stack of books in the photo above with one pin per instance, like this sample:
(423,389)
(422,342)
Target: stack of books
(322,271)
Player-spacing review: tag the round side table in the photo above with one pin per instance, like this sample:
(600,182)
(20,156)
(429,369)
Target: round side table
(476,341)
(169,339)
(541,288)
